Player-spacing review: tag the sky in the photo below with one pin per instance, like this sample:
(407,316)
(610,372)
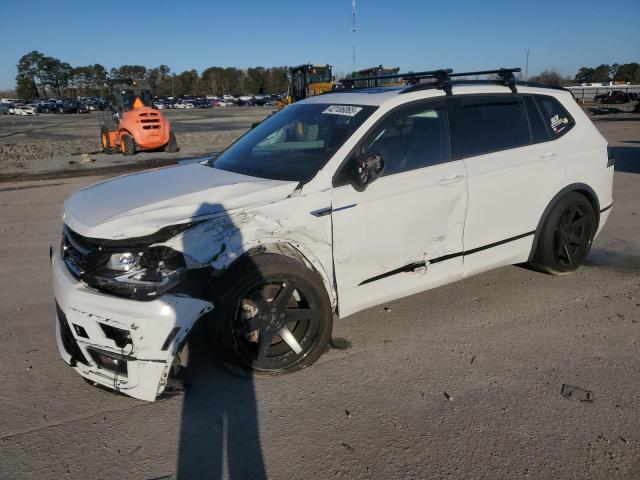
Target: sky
(412,34)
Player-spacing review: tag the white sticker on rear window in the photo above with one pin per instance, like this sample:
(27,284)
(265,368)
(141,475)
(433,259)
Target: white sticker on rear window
(558,124)
(346,110)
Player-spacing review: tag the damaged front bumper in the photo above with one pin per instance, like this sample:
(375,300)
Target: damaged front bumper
(125,345)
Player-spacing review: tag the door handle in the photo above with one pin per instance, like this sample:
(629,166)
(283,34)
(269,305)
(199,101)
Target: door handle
(450,180)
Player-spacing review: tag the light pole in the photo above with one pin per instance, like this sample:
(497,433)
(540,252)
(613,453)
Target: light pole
(353,30)
(526,67)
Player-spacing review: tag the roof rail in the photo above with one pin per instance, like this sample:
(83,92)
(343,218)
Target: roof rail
(442,78)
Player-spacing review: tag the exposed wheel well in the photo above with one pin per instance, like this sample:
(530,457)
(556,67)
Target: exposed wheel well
(580,188)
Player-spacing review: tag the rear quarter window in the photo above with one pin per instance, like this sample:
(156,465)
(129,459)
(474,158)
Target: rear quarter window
(556,118)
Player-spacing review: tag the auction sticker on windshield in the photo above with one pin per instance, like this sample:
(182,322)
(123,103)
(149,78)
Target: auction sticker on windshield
(347,110)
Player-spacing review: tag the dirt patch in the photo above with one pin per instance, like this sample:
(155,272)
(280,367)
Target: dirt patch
(45,144)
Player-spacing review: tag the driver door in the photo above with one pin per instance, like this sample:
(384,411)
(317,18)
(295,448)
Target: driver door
(403,233)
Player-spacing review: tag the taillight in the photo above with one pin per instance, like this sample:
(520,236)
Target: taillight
(610,160)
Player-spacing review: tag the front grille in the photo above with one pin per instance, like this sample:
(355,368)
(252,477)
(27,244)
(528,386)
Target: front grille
(75,253)
(68,341)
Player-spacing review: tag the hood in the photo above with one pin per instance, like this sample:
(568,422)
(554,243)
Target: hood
(142,203)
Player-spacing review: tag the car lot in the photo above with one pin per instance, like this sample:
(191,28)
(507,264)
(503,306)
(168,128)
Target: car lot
(460,382)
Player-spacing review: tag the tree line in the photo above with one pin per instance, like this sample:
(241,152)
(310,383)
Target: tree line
(41,76)
(626,72)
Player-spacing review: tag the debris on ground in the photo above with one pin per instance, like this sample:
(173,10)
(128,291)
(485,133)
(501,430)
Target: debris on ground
(348,447)
(348,413)
(571,391)
(448,397)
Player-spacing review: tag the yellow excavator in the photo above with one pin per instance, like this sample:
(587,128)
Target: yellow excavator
(305,81)
(378,71)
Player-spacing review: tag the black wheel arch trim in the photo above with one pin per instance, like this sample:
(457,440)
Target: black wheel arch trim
(582,188)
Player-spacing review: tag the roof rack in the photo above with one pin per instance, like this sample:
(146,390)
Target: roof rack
(443,79)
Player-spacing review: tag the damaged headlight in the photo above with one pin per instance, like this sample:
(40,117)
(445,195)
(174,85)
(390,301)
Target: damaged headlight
(140,274)
(124,262)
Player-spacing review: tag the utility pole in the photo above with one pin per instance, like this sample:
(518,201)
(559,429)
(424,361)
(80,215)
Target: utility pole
(526,67)
(353,30)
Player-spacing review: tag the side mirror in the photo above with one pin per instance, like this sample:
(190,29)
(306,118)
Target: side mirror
(368,167)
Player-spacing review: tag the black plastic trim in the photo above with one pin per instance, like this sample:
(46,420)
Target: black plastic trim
(321,212)
(606,208)
(413,266)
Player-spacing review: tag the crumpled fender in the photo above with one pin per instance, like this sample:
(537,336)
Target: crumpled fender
(282,227)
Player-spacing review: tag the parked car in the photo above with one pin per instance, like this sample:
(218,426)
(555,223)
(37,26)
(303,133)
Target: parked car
(47,106)
(95,104)
(5,108)
(82,107)
(614,97)
(201,103)
(259,100)
(335,204)
(24,110)
(182,104)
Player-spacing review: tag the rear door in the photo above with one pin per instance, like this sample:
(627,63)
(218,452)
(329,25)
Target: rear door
(511,168)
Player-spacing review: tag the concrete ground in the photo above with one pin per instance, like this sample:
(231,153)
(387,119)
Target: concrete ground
(459,382)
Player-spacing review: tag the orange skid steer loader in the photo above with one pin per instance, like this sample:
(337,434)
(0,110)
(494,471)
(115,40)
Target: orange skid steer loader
(131,123)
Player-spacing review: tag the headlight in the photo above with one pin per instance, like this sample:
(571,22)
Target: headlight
(123,262)
(139,274)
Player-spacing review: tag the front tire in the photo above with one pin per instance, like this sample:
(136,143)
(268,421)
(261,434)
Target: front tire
(172,144)
(567,235)
(274,315)
(128,145)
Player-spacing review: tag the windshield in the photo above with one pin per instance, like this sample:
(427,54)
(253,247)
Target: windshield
(319,76)
(294,143)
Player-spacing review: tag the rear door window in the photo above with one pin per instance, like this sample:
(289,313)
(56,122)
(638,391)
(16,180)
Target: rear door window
(557,119)
(490,124)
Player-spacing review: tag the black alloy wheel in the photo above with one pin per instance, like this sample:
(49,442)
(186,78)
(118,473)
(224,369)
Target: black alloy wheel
(574,232)
(276,326)
(566,235)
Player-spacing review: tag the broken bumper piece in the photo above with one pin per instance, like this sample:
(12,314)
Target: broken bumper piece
(122,344)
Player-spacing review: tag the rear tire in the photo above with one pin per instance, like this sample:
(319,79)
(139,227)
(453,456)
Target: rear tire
(172,144)
(105,140)
(566,236)
(128,145)
(274,315)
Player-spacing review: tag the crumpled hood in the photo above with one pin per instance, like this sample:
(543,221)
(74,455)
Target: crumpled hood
(142,203)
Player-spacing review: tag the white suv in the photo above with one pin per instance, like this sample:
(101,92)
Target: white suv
(335,204)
